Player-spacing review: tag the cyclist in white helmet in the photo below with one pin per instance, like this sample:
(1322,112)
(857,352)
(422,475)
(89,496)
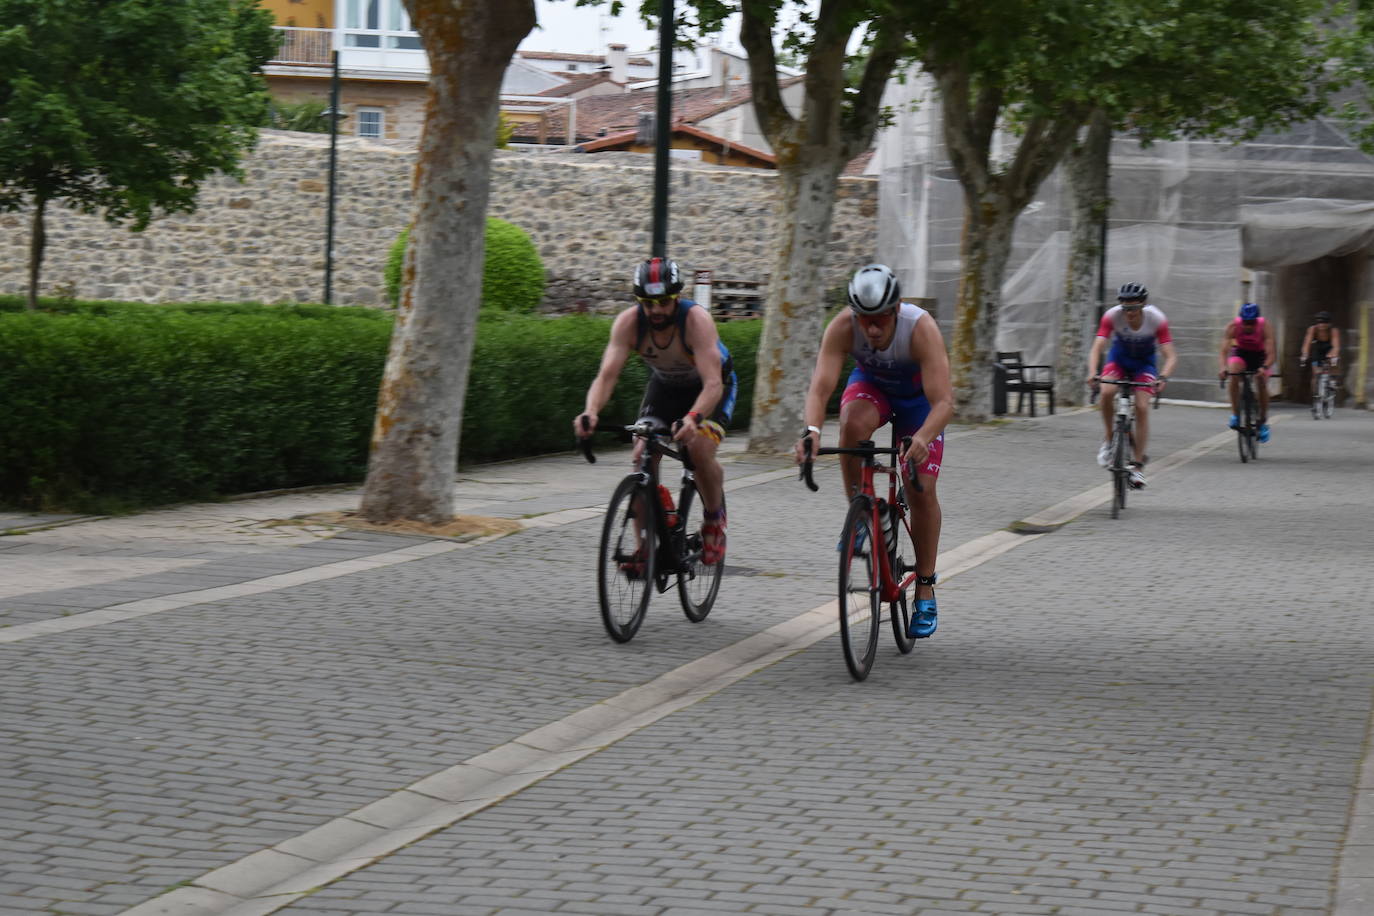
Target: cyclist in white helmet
(901,375)
(1129,336)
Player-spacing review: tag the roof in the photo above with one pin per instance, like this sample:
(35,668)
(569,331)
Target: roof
(576,83)
(580,58)
(626,139)
(601,115)
(858,166)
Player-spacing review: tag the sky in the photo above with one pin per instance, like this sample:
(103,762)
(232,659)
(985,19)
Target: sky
(564,26)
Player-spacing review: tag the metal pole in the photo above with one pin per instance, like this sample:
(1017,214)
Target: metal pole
(333,168)
(663,125)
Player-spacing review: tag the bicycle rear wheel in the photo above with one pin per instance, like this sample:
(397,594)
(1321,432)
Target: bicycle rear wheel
(1121,441)
(860,616)
(626,560)
(697,582)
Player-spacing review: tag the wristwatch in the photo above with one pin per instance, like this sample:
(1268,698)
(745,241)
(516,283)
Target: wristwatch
(695,415)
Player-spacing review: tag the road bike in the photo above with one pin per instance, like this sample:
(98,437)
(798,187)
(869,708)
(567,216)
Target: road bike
(1247,420)
(647,540)
(1323,389)
(1123,436)
(870,578)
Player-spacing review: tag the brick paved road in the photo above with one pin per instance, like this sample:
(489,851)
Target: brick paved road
(1163,714)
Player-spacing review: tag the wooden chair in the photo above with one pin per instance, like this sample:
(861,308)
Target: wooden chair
(1022,380)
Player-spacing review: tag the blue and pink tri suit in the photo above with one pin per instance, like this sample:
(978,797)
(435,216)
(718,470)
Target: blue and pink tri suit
(891,380)
(1248,351)
(1132,354)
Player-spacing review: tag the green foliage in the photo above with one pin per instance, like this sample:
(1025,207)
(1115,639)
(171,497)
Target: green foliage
(307,115)
(108,408)
(112,406)
(512,275)
(505,129)
(125,106)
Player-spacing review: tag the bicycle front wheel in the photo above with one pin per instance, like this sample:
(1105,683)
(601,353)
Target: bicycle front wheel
(900,610)
(697,582)
(625,567)
(860,616)
(1328,397)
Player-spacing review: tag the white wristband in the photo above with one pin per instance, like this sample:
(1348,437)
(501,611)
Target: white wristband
(813,429)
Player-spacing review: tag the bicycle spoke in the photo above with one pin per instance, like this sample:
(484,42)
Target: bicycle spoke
(697,582)
(860,617)
(625,571)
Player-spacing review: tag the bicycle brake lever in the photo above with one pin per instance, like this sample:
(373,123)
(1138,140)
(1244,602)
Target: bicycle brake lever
(805,472)
(586,441)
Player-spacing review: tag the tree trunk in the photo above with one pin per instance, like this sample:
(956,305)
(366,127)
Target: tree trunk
(794,311)
(984,250)
(420,408)
(38,241)
(1086,167)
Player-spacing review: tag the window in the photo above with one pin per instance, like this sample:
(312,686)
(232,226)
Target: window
(371,122)
(572,67)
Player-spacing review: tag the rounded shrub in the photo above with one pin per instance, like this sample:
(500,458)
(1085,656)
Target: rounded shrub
(512,274)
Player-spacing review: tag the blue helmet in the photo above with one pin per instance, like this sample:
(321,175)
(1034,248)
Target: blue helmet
(1249,311)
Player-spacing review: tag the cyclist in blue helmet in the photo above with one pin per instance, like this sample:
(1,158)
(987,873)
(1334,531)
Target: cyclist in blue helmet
(1249,344)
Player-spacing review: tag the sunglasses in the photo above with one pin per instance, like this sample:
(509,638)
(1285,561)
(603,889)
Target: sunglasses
(1133,305)
(656,300)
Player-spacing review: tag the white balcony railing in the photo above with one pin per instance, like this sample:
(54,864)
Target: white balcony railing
(304,46)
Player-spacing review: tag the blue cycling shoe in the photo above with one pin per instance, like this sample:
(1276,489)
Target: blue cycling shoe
(1235,421)
(860,540)
(1264,433)
(924,617)
(924,620)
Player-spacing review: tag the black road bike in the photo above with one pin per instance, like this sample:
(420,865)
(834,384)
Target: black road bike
(1247,421)
(646,541)
(1123,436)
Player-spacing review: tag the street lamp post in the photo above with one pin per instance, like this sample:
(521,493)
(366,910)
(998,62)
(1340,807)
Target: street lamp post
(334,116)
(663,121)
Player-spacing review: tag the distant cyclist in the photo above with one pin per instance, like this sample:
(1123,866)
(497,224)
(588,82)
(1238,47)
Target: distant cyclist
(1249,344)
(691,377)
(902,375)
(1130,334)
(1321,345)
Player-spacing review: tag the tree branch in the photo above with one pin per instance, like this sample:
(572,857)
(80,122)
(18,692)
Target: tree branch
(756,34)
(863,117)
(968,158)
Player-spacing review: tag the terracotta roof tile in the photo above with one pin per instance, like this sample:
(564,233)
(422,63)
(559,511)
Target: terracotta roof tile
(620,112)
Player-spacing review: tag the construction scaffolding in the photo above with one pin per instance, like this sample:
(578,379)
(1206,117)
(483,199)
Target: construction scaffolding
(1284,220)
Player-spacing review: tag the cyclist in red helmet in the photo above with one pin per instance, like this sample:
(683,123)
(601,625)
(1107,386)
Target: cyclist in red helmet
(691,378)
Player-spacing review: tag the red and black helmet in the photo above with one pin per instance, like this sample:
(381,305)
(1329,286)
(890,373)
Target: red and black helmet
(656,278)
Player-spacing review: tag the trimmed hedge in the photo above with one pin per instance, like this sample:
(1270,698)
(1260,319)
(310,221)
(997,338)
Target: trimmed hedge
(114,406)
(512,273)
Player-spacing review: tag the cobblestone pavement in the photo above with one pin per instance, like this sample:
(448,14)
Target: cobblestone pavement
(1166,713)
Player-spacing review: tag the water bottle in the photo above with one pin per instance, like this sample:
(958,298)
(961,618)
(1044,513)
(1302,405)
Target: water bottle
(669,511)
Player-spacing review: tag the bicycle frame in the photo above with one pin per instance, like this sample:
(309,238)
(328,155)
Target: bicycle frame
(655,447)
(891,586)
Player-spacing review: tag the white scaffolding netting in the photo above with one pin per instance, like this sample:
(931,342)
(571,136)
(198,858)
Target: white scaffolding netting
(1189,219)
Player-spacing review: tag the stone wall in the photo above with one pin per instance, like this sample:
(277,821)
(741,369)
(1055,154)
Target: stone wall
(263,240)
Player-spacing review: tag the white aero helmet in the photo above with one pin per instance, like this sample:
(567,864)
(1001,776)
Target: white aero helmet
(874,290)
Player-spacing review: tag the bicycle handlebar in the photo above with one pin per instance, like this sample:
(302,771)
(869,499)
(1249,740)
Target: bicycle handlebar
(868,451)
(644,429)
(1126,383)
